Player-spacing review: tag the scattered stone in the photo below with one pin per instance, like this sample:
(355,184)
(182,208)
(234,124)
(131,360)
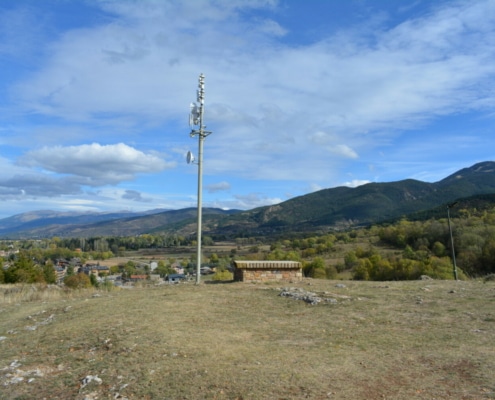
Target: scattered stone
(3,338)
(48,320)
(90,378)
(307,297)
(14,375)
(91,396)
(340,285)
(15,379)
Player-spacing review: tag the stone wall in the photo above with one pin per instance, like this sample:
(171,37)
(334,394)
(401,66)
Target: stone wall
(267,275)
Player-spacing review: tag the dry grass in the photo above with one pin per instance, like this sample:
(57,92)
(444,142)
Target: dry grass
(21,293)
(393,340)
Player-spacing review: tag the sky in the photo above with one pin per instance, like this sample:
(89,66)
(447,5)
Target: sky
(299,96)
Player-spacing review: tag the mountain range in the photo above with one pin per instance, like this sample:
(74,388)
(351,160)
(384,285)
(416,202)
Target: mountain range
(335,208)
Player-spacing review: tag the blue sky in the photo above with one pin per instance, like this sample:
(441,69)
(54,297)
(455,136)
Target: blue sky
(300,96)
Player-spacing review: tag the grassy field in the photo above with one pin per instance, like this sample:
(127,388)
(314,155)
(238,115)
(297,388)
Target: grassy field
(366,340)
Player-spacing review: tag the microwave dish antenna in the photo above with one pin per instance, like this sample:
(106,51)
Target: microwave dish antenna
(190,157)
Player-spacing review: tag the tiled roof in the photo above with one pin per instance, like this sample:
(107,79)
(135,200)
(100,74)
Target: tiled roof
(249,264)
(139,276)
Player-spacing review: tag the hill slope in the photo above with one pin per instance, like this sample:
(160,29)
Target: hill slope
(366,204)
(49,223)
(335,208)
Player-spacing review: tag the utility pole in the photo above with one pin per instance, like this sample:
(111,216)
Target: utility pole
(196,119)
(449,206)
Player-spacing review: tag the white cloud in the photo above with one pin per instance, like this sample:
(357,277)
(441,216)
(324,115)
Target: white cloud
(218,187)
(135,196)
(344,150)
(96,164)
(409,72)
(279,111)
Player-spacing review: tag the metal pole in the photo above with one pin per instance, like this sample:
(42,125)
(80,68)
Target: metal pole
(452,239)
(197,116)
(200,198)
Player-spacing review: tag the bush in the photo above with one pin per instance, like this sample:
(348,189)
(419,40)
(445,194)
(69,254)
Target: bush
(224,275)
(79,281)
(315,269)
(331,272)
(361,271)
(107,285)
(93,280)
(319,273)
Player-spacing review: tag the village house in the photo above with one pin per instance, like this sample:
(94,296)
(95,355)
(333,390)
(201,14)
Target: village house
(138,278)
(179,269)
(267,271)
(95,269)
(61,272)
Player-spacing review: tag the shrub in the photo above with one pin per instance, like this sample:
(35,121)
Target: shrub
(315,269)
(319,273)
(361,272)
(224,275)
(331,272)
(93,280)
(79,281)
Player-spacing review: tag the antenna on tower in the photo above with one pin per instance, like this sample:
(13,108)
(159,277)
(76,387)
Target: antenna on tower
(190,157)
(196,116)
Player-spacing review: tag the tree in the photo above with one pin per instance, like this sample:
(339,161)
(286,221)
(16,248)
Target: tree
(93,280)
(24,270)
(70,270)
(361,271)
(351,260)
(438,249)
(315,269)
(49,273)
(214,258)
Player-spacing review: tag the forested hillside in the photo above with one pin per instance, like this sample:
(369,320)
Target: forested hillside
(405,249)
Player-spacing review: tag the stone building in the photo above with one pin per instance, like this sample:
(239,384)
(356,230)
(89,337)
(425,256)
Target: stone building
(267,271)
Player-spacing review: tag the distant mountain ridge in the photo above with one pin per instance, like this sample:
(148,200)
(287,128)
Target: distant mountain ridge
(344,207)
(335,208)
(42,218)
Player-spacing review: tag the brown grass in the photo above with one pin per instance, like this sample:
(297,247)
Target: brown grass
(21,293)
(392,340)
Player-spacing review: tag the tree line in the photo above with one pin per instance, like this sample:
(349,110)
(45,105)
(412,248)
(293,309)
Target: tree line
(396,251)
